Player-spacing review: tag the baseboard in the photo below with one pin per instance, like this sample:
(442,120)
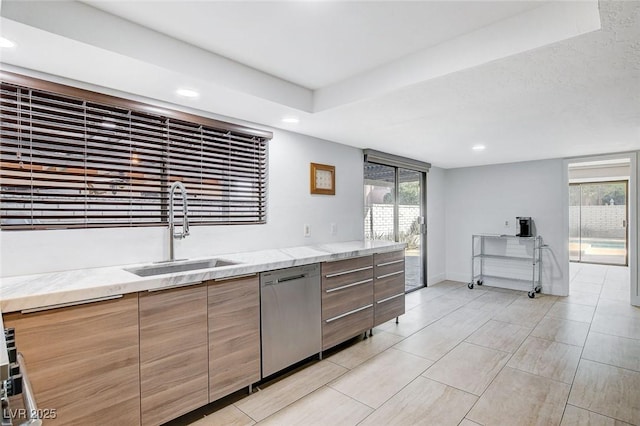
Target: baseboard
(434,279)
(453,276)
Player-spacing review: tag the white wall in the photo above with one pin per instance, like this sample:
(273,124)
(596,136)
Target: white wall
(436,221)
(481,199)
(290,206)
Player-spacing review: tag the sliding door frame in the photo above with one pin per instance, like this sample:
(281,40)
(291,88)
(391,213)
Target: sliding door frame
(626,219)
(632,224)
(422,216)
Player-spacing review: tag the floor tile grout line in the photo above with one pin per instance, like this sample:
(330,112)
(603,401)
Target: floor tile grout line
(303,396)
(455,387)
(434,362)
(595,412)
(501,370)
(352,398)
(573,380)
(485,347)
(505,364)
(563,343)
(611,365)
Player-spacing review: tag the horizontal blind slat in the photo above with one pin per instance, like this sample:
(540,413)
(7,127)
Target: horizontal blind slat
(68,163)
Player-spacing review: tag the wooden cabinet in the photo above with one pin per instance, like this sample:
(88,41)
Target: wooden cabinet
(389,277)
(347,299)
(147,358)
(83,360)
(174,361)
(234,335)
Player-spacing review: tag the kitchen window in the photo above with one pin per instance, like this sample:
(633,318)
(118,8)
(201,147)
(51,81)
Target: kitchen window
(71,158)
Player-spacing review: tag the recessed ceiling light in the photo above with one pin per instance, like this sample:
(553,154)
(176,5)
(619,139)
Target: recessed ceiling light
(292,120)
(5,42)
(188,93)
(478,148)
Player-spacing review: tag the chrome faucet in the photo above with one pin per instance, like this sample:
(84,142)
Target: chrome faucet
(185,220)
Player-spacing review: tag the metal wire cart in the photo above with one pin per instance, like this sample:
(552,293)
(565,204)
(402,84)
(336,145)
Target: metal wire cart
(497,257)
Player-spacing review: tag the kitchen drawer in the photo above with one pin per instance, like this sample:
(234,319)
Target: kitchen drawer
(338,329)
(389,308)
(389,285)
(343,272)
(388,263)
(338,300)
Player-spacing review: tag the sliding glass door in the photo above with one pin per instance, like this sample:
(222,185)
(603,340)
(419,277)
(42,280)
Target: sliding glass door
(598,222)
(394,211)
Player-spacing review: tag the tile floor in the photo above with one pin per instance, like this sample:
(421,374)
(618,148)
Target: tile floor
(466,357)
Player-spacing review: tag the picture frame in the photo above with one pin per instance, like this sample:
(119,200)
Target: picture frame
(323,179)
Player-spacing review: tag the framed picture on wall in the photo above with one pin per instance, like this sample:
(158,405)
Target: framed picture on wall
(323,179)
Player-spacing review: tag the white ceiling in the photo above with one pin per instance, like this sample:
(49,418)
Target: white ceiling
(313,44)
(426,80)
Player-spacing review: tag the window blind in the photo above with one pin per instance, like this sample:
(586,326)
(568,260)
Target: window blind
(69,162)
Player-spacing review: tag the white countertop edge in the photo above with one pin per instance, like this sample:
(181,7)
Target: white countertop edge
(58,288)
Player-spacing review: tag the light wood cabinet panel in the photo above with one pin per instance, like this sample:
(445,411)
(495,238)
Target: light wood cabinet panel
(174,361)
(389,286)
(347,299)
(234,335)
(388,309)
(337,301)
(83,361)
(338,330)
(342,272)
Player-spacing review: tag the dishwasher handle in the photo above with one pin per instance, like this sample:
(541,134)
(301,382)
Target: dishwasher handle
(289,278)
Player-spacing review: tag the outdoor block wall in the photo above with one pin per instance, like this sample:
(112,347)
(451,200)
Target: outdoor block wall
(599,221)
(382,215)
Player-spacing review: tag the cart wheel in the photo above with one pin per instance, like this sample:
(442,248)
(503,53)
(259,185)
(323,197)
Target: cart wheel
(480,282)
(538,289)
(470,285)
(531,295)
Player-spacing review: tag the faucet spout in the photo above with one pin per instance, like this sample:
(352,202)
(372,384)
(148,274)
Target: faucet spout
(185,219)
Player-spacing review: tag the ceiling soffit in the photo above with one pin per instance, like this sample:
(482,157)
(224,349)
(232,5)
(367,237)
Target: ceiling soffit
(534,28)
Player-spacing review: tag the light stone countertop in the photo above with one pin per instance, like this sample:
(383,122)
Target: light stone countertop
(58,288)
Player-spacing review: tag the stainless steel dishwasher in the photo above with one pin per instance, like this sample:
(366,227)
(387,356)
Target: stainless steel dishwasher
(291,317)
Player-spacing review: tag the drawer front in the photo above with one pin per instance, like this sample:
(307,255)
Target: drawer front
(337,330)
(343,272)
(389,285)
(338,300)
(389,263)
(391,256)
(389,308)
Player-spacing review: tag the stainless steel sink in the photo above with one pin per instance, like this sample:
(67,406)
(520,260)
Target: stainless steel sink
(177,266)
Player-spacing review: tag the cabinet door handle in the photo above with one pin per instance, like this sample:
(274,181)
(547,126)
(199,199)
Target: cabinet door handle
(171,287)
(390,298)
(331,290)
(390,263)
(68,304)
(390,275)
(337,274)
(235,277)
(349,313)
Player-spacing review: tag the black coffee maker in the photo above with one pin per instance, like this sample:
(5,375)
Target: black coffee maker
(525,227)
